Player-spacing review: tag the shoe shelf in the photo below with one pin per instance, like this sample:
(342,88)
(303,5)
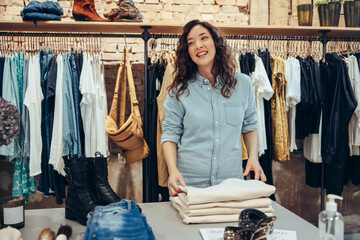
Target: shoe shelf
(161,28)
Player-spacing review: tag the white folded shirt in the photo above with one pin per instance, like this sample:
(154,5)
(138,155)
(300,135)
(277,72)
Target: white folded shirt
(210,218)
(228,190)
(248,203)
(216,210)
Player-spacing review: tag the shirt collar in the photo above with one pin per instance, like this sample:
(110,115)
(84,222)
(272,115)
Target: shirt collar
(204,81)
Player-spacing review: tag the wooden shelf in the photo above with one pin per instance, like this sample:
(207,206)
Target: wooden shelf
(227,29)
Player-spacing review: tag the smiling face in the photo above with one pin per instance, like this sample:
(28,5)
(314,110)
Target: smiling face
(201,47)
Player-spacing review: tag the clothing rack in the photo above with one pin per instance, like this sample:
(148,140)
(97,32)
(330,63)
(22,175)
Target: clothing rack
(237,32)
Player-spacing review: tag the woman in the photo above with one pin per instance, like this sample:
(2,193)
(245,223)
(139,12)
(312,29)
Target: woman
(207,108)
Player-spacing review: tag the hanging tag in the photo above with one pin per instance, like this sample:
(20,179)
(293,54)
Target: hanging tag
(157,84)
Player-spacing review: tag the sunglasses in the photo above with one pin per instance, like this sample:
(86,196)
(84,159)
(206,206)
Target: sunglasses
(253,225)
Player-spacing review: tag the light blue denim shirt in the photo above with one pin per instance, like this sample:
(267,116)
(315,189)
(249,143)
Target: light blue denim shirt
(207,128)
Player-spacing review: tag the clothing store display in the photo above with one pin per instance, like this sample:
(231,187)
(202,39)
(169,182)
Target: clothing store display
(9,117)
(193,156)
(80,199)
(84,10)
(127,135)
(126,12)
(98,180)
(42,11)
(121,220)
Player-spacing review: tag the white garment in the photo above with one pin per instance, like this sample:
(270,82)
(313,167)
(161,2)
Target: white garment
(354,124)
(87,89)
(228,190)
(33,99)
(263,90)
(210,218)
(312,145)
(100,108)
(99,134)
(293,95)
(58,141)
(215,210)
(250,203)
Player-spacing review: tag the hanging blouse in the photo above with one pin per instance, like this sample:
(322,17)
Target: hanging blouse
(278,111)
(354,124)
(293,95)
(263,90)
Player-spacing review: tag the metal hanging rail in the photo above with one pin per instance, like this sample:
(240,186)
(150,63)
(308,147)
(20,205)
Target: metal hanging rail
(146,35)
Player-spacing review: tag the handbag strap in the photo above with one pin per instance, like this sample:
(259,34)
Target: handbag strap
(133,100)
(113,109)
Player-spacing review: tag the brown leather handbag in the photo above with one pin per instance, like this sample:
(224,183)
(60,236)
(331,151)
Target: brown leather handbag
(127,135)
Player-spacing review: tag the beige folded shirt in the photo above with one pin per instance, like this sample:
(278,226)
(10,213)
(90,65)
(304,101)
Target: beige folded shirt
(229,190)
(210,218)
(248,203)
(215,210)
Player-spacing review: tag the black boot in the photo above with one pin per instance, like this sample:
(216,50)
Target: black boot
(99,180)
(79,201)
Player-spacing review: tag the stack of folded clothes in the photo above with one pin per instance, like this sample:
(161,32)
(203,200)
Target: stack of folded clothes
(223,202)
(42,11)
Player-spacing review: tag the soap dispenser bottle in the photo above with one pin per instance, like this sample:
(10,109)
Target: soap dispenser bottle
(331,222)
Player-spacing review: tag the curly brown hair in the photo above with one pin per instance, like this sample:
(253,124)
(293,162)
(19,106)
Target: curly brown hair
(185,68)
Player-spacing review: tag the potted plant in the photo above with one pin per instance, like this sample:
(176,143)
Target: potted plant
(329,12)
(349,13)
(305,14)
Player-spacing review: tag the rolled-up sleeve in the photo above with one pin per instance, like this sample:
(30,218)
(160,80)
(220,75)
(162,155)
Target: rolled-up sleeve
(173,124)
(250,119)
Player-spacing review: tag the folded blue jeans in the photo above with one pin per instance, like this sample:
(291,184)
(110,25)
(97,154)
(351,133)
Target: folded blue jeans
(38,16)
(43,7)
(118,221)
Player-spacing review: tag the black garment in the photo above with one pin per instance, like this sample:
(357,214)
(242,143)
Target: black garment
(308,111)
(352,170)
(150,174)
(79,63)
(46,180)
(57,179)
(339,105)
(266,159)
(313,174)
(247,63)
(2,63)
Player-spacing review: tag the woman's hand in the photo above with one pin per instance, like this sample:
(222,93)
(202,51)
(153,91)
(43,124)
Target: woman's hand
(174,178)
(254,165)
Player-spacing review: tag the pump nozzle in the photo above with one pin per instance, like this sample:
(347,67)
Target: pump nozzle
(331,205)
